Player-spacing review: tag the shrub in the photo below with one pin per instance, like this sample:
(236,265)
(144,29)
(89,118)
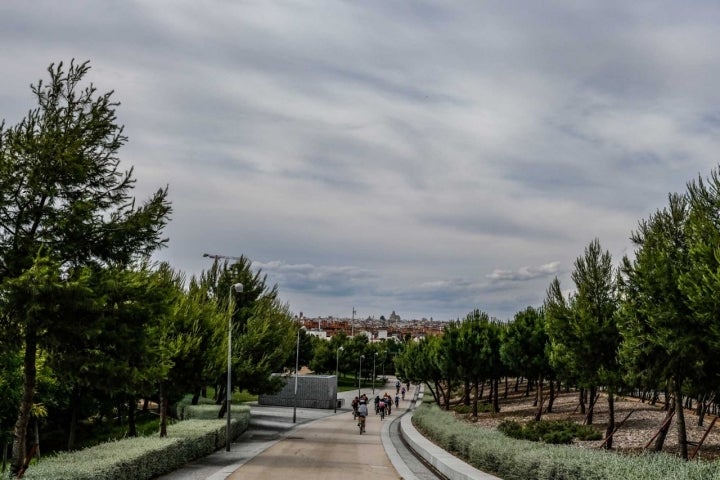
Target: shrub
(142,457)
(549,431)
(494,452)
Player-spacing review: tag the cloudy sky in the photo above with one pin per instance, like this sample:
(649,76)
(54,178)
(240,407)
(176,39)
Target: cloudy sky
(426,157)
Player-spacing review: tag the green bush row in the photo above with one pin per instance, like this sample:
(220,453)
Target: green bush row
(557,432)
(493,452)
(143,457)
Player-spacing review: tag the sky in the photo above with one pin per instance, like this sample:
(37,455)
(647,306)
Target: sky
(422,157)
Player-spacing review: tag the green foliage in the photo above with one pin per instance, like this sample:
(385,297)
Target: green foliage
(492,451)
(549,431)
(141,458)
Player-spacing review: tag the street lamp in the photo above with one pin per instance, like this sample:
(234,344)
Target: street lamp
(360,376)
(297,367)
(238,287)
(384,358)
(337,364)
(374,358)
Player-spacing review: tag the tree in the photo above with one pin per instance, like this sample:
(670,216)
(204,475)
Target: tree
(523,349)
(662,340)
(62,192)
(263,330)
(583,331)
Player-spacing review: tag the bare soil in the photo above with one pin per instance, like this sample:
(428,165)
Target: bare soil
(630,438)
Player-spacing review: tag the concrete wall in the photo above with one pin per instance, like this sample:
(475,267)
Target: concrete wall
(314,391)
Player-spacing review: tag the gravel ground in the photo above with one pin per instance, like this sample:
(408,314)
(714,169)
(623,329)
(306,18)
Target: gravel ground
(632,436)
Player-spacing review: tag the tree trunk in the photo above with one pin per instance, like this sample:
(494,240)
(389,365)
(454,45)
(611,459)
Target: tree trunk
(582,400)
(517,384)
(591,407)
(4,456)
(505,395)
(476,398)
(681,431)
(611,420)
(196,397)
(132,427)
(551,399)
(72,427)
(466,398)
(37,437)
(539,399)
(527,388)
(446,396)
(662,434)
(496,402)
(19,449)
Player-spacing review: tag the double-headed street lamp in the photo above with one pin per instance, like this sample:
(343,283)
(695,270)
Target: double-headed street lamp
(238,287)
(337,365)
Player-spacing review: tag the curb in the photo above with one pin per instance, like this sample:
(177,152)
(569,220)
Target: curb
(446,463)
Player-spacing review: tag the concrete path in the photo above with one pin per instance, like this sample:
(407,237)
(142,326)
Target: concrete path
(330,448)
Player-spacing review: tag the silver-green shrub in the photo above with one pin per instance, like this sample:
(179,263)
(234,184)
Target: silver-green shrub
(142,457)
(491,451)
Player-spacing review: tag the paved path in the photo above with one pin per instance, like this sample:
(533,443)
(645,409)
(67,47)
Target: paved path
(320,445)
(330,448)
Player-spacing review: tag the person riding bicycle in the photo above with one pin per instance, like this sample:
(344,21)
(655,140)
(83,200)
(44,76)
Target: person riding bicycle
(354,404)
(402,390)
(397,401)
(397,386)
(377,401)
(362,413)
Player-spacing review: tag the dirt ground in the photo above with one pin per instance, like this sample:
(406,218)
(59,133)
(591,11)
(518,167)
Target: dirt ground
(630,438)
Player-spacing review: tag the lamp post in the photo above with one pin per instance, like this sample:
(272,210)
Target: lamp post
(360,375)
(297,367)
(384,358)
(374,358)
(238,287)
(337,365)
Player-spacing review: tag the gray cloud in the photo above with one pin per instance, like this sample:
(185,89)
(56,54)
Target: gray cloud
(392,155)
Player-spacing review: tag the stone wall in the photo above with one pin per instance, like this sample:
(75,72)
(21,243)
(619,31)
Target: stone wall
(314,391)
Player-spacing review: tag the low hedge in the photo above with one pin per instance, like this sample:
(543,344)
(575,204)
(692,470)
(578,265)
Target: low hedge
(493,452)
(143,457)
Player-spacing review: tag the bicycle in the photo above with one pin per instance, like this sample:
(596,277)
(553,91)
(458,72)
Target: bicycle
(361,424)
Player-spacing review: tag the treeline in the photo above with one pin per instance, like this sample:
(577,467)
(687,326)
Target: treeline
(88,327)
(651,324)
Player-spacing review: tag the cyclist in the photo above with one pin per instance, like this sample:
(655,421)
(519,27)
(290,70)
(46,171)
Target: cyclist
(397,386)
(362,413)
(397,401)
(377,402)
(381,408)
(402,390)
(355,407)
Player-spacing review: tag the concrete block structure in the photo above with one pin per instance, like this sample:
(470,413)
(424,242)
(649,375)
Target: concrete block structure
(314,391)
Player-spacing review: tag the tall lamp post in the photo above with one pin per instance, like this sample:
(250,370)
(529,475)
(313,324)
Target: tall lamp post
(297,367)
(384,358)
(238,287)
(337,365)
(360,375)
(374,358)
